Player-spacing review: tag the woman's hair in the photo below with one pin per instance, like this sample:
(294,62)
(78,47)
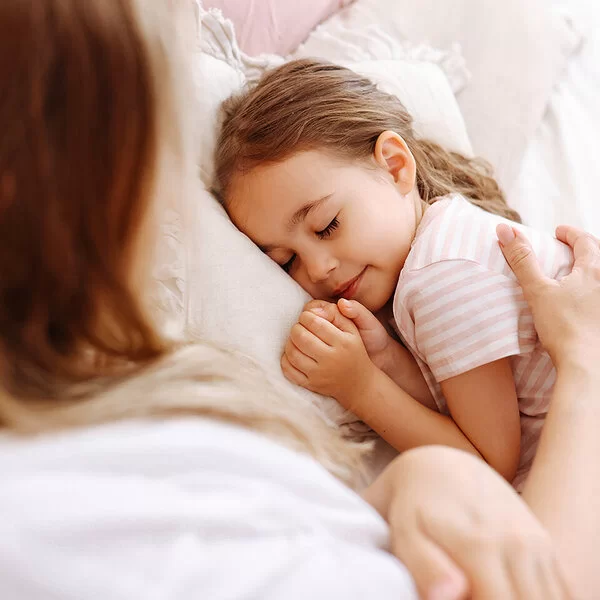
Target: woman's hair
(78,154)
(89,103)
(308,104)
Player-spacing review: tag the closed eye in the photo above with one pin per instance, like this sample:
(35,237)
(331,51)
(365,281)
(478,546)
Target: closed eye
(288,265)
(325,233)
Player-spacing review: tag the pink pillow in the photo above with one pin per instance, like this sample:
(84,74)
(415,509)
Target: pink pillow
(274,26)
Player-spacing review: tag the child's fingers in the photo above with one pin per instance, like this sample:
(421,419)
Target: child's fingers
(292,374)
(321,328)
(300,361)
(363,318)
(333,315)
(307,341)
(322,304)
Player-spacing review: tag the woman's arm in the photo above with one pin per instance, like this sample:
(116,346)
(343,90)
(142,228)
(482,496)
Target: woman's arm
(483,403)
(563,487)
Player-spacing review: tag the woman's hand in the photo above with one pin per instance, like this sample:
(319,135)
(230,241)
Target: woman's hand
(564,482)
(462,531)
(328,357)
(566,312)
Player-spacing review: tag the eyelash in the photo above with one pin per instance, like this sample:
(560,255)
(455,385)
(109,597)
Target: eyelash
(325,233)
(288,265)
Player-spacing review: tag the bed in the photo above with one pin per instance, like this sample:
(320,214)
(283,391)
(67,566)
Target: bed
(126,508)
(514,83)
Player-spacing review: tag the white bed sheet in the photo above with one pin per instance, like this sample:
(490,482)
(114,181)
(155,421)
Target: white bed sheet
(559,180)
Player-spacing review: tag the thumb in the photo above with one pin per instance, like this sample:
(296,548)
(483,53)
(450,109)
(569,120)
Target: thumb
(363,318)
(333,315)
(520,256)
(436,576)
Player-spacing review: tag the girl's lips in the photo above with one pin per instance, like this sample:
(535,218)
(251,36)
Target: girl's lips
(351,288)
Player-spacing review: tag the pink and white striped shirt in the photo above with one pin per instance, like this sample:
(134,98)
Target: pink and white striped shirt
(458,306)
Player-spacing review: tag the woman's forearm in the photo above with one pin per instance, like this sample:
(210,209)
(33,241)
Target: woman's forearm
(563,488)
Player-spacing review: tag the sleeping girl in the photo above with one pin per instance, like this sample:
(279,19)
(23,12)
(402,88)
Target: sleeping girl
(324,173)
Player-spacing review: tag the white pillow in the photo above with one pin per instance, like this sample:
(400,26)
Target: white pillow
(236,296)
(515,51)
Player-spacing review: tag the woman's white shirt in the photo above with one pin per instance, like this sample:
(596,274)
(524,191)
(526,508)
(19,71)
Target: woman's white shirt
(188,508)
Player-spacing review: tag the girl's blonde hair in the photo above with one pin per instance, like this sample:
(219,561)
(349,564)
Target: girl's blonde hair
(308,104)
(90,101)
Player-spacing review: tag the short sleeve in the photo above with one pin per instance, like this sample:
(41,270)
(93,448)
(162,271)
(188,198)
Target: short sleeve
(463,316)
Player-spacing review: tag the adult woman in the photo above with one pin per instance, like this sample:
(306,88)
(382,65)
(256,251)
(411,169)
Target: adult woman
(132,477)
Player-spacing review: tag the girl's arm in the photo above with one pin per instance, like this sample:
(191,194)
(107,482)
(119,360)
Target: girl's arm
(400,366)
(483,403)
(398,418)
(331,359)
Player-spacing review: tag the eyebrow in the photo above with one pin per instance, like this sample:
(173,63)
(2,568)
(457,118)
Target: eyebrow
(299,216)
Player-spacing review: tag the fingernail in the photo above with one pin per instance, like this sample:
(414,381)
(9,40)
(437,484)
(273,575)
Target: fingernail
(505,234)
(345,302)
(445,590)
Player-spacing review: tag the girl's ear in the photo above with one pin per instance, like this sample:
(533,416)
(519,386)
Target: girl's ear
(392,154)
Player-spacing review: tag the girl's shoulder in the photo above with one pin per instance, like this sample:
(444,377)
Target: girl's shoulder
(454,229)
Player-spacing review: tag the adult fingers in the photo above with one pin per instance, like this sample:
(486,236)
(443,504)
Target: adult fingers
(520,256)
(363,318)
(298,359)
(309,341)
(532,580)
(585,246)
(435,574)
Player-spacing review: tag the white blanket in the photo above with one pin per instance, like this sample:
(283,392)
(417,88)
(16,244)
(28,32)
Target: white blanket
(560,179)
(180,510)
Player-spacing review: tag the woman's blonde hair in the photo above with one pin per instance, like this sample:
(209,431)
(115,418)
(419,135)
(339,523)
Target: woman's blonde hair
(308,104)
(89,101)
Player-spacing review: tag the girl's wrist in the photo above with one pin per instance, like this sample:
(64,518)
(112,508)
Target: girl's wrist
(360,390)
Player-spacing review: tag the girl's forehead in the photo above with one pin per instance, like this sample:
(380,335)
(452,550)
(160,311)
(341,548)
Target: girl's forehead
(293,179)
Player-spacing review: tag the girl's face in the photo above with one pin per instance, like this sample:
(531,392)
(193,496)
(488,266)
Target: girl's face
(341,229)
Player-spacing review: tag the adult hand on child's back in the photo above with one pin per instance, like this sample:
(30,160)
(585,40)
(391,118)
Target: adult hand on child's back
(327,356)
(566,312)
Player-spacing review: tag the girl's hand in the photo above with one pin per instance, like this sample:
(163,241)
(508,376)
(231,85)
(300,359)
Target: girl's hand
(327,358)
(385,352)
(566,312)
(376,339)
(462,531)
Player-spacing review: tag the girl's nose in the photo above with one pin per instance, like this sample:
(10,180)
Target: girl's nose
(320,267)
